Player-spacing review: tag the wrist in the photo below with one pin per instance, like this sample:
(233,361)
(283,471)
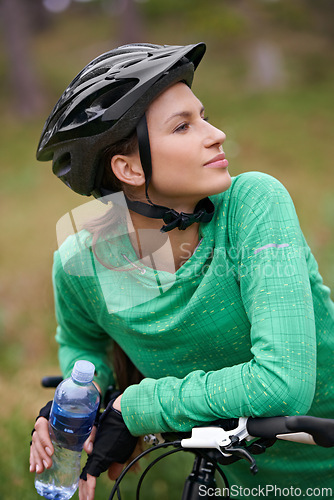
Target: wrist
(117,403)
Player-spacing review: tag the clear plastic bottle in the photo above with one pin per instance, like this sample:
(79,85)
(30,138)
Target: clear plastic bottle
(71,420)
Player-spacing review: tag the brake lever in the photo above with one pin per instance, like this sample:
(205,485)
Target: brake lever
(240,452)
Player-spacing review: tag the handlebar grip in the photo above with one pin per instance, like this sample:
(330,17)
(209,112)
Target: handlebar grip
(267,427)
(51,381)
(321,429)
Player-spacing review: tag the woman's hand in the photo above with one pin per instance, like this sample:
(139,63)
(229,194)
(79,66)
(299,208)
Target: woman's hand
(41,449)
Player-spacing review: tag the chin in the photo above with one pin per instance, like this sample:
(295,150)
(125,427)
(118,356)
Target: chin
(220,185)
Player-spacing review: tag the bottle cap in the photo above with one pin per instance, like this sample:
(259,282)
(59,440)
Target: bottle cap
(83,371)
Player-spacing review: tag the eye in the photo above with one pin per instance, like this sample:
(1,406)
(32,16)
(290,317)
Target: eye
(183,127)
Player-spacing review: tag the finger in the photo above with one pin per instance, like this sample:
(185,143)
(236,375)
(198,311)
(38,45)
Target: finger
(87,488)
(32,461)
(91,484)
(40,460)
(88,445)
(41,448)
(41,453)
(115,470)
(82,489)
(42,435)
(36,464)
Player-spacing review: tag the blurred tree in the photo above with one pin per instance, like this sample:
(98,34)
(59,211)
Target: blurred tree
(130,27)
(38,16)
(27,90)
(265,56)
(323,12)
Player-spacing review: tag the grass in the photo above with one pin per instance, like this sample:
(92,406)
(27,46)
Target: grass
(287,133)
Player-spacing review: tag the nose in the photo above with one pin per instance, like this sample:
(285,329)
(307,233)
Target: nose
(214,136)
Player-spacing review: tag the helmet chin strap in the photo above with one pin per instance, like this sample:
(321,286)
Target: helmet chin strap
(204,209)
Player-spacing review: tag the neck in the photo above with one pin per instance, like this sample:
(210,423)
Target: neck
(186,206)
(182,244)
(183,204)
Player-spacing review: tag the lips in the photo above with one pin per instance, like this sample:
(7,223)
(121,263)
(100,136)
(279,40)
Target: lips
(218,161)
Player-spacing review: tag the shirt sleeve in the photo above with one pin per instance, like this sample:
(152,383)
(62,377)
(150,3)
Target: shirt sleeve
(270,263)
(78,334)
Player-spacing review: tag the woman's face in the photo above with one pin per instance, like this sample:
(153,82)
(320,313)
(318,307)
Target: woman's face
(188,162)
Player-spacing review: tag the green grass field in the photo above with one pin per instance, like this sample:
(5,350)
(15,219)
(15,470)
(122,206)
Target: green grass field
(286,133)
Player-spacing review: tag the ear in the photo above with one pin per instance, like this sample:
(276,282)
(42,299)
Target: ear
(128,169)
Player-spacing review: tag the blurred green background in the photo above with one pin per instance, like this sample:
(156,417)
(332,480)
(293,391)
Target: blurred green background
(266,80)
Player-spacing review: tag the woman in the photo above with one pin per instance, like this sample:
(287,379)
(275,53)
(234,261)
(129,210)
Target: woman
(227,321)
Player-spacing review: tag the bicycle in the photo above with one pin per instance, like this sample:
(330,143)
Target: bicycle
(222,443)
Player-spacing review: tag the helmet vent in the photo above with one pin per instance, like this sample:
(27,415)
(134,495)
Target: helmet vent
(129,63)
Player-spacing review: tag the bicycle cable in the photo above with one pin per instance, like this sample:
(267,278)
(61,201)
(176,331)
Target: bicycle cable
(155,461)
(197,453)
(149,467)
(135,460)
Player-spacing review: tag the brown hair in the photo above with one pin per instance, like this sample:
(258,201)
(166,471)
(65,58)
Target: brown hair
(125,371)
(101,227)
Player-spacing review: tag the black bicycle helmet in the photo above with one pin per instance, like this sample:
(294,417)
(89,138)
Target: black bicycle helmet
(105,103)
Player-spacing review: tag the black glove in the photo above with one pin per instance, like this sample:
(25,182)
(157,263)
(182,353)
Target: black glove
(113,443)
(45,411)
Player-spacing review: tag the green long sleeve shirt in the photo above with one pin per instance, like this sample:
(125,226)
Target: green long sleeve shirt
(245,327)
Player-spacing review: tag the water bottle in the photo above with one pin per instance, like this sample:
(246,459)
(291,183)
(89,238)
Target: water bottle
(71,420)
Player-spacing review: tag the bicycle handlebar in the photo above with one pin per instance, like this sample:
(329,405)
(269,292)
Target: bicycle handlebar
(299,428)
(302,429)
(51,381)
